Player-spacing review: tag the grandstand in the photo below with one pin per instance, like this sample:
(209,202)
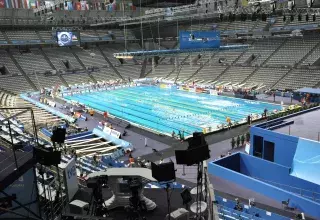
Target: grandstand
(244,73)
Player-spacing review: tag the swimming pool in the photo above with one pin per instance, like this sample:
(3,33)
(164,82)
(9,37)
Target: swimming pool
(167,110)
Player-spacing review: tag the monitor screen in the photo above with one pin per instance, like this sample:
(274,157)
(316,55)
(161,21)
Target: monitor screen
(68,38)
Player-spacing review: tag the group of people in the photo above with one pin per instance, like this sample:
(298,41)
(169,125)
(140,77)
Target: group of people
(179,136)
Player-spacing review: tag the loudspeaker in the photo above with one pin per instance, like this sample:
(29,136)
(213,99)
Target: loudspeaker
(192,156)
(197,140)
(164,172)
(58,135)
(46,157)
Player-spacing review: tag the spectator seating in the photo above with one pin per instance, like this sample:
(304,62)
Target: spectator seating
(16,84)
(48,81)
(266,77)
(105,75)
(58,55)
(209,73)
(292,51)
(184,72)
(22,35)
(88,60)
(8,63)
(299,78)
(77,78)
(31,61)
(109,50)
(262,49)
(132,71)
(161,71)
(46,35)
(227,57)
(236,75)
(2,38)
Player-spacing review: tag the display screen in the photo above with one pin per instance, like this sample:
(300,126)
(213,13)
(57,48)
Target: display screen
(68,38)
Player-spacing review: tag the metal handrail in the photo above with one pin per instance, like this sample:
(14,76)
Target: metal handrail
(293,187)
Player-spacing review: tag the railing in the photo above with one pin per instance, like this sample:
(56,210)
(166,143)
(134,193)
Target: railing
(309,194)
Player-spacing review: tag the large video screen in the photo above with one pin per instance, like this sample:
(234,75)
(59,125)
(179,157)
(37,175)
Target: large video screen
(68,38)
(199,39)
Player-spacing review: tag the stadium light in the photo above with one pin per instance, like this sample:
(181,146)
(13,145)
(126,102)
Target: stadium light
(310,3)
(273,6)
(291,4)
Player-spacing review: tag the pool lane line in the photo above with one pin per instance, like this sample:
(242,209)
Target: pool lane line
(90,101)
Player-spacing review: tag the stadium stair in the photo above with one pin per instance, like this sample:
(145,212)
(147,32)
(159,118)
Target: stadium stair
(274,52)
(110,64)
(82,65)
(318,85)
(200,68)
(6,37)
(223,72)
(143,68)
(308,54)
(161,59)
(39,36)
(251,74)
(53,67)
(282,78)
(21,70)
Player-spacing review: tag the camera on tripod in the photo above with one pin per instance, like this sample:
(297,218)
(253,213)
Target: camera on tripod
(136,205)
(97,206)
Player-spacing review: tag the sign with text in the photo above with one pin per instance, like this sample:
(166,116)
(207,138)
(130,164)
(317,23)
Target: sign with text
(71,180)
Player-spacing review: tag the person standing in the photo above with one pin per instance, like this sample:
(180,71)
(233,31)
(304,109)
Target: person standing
(146,142)
(105,115)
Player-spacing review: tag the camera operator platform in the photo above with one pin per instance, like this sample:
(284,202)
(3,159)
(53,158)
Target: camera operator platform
(122,181)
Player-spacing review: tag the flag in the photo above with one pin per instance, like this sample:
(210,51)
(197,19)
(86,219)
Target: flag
(2,4)
(244,2)
(70,6)
(32,4)
(7,3)
(83,5)
(78,6)
(25,4)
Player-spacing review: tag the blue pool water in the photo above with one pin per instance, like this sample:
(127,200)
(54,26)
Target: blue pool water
(166,110)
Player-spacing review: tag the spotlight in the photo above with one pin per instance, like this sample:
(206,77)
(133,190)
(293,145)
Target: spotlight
(314,17)
(299,17)
(307,17)
(291,17)
(310,3)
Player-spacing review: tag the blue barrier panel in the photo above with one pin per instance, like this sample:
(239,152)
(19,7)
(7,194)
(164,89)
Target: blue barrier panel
(306,161)
(46,132)
(199,39)
(3,42)
(48,108)
(78,136)
(114,140)
(254,167)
